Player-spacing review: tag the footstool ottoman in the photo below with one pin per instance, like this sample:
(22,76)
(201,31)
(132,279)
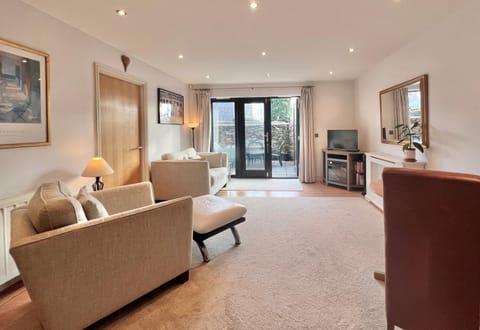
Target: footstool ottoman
(212,215)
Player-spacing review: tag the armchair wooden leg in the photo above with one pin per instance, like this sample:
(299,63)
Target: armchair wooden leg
(379,276)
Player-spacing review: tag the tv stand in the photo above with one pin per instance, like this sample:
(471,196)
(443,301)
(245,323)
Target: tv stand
(344,168)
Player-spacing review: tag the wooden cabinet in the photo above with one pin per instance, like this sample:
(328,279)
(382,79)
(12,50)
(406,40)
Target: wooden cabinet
(344,169)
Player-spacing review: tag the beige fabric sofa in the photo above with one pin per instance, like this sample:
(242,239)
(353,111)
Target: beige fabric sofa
(78,274)
(188,173)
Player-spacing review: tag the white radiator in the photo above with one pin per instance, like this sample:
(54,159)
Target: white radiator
(8,269)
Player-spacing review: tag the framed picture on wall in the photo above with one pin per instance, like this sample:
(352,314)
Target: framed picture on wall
(24,96)
(170,107)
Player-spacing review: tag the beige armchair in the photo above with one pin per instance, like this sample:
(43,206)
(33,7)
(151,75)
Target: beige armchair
(188,173)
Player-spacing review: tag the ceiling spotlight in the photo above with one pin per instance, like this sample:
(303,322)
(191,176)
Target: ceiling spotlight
(264,53)
(180,56)
(331,73)
(351,50)
(267,75)
(253,4)
(207,76)
(121,12)
(24,60)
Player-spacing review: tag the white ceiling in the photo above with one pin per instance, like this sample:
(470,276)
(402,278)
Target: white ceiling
(304,39)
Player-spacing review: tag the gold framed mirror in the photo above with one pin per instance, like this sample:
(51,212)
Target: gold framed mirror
(405,103)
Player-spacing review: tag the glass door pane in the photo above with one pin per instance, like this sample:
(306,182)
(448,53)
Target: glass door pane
(284,137)
(223,130)
(254,142)
(254,136)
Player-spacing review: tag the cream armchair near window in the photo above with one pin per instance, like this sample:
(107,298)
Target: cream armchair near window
(188,173)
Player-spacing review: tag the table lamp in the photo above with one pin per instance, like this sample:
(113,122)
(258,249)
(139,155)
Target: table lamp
(96,168)
(193,126)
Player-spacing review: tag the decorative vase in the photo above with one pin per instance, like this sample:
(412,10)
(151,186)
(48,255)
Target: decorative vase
(409,155)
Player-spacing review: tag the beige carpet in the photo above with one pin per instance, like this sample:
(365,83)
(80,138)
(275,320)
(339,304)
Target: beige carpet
(264,184)
(305,263)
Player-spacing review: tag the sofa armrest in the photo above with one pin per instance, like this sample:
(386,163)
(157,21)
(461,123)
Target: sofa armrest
(215,159)
(175,178)
(127,197)
(23,225)
(77,274)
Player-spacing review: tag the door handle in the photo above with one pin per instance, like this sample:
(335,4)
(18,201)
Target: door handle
(137,148)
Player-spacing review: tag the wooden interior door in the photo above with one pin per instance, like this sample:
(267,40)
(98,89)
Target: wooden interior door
(120,106)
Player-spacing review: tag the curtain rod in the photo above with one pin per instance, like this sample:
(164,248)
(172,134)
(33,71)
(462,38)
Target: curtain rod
(252,88)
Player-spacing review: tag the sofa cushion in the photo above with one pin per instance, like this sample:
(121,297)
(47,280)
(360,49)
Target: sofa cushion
(52,207)
(217,174)
(177,155)
(93,207)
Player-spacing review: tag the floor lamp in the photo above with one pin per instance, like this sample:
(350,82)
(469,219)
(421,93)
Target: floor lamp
(193,126)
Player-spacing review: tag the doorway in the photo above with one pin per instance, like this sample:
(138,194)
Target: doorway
(260,135)
(121,126)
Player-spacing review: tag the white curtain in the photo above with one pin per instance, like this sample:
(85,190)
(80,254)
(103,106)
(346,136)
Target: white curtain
(400,108)
(202,113)
(307,151)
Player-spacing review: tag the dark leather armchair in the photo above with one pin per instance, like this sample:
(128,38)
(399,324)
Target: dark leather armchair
(432,249)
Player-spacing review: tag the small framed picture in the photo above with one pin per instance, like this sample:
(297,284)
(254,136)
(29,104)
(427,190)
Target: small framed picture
(24,96)
(170,107)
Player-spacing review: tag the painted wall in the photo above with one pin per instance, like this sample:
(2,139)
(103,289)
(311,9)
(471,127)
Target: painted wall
(449,53)
(72,93)
(333,103)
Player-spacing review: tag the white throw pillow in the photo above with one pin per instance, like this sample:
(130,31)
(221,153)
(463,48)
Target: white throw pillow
(190,153)
(93,208)
(178,155)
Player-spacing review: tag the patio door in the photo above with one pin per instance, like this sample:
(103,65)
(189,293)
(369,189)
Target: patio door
(260,135)
(254,138)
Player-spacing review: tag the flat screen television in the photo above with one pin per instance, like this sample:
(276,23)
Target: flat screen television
(343,139)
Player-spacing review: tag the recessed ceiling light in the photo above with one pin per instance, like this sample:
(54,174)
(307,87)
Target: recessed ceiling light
(351,50)
(121,12)
(264,53)
(180,56)
(24,60)
(253,4)
(331,73)
(207,76)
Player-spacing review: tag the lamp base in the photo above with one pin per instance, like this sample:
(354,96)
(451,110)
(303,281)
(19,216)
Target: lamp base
(97,185)
(193,137)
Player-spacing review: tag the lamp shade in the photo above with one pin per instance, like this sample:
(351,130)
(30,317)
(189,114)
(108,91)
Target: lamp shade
(192,125)
(97,166)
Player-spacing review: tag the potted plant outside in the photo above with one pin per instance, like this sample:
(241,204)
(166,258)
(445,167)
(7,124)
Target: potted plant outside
(407,133)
